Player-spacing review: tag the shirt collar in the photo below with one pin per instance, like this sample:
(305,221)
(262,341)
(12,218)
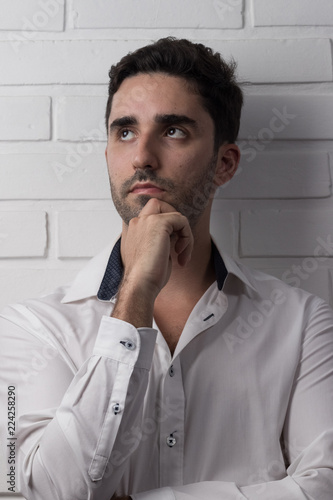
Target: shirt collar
(102,275)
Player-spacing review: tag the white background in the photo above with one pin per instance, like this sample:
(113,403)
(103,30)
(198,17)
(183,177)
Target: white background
(55,208)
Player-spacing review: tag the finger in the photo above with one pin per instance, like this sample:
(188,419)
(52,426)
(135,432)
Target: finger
(182,236)
(185,256)
(155,206)
(175,222)
(183,248)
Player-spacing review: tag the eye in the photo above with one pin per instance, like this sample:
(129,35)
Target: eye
(176,132)
(126,135)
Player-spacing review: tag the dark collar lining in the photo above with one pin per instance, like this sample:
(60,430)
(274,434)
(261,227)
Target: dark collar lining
(220,269)
(114,272)
(113,275)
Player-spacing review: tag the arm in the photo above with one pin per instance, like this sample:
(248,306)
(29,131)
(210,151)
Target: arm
(69,436)
(73,426)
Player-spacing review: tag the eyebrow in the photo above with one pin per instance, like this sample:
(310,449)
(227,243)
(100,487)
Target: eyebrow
(124,121)
(165,119)
(174,119)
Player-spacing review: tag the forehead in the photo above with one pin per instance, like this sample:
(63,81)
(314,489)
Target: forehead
(159,93)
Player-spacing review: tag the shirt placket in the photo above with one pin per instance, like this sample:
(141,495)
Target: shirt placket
(172,427)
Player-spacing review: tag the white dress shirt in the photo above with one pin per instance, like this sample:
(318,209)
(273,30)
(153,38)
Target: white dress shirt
(242,410)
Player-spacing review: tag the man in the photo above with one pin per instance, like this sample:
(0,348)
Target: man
(169,372)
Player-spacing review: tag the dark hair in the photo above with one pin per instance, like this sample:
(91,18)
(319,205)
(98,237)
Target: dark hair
(210,75)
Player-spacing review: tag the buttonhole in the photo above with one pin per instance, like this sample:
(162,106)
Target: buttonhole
(208,317)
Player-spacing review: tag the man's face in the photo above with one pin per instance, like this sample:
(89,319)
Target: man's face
(160,144)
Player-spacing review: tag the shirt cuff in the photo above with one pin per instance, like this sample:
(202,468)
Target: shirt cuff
(160,494)
(121,341)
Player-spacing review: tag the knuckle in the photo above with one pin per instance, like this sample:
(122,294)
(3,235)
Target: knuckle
(132,222)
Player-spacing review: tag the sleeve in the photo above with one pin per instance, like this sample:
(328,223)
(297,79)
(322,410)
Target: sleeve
(72,428)
(307,434)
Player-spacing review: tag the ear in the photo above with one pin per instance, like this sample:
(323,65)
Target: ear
(227,163)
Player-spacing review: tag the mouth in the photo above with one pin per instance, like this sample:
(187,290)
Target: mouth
(146,188)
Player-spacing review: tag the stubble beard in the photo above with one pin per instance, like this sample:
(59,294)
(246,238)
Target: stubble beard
(190,201)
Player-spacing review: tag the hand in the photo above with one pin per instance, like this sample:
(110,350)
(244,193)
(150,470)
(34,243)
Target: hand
(157,239)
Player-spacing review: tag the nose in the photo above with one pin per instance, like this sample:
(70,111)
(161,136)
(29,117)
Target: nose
(145,154)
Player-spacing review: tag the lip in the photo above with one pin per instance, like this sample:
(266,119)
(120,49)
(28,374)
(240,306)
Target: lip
(146,188)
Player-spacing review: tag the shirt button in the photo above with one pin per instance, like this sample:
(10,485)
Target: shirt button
(129,344)
(116,408)
(171,371)
(171,441)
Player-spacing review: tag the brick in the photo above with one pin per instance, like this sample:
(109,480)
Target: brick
(80,118)
(148,13)
(22,284)
(301,275)
(85,233)
(280,175)
(81,173)
(223,228)
(51,62)
(288,233)
(46,62)
(278,61)
(24,118)
(23,234)
(295,13)
(35,15)
(274,117)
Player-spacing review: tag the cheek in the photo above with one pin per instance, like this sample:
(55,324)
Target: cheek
(190,165)
(186,160)
(115,166)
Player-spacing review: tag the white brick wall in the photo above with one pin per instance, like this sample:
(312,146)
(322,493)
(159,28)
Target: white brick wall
(279,60)
(295,13)
(80,118)
(148,13)
(264,175)
(98,228)
(55,209)
(86,61)
(24,118)
(314,228)
(79,173)
(288,117)
(60,61)
(22,234)
(41,15)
